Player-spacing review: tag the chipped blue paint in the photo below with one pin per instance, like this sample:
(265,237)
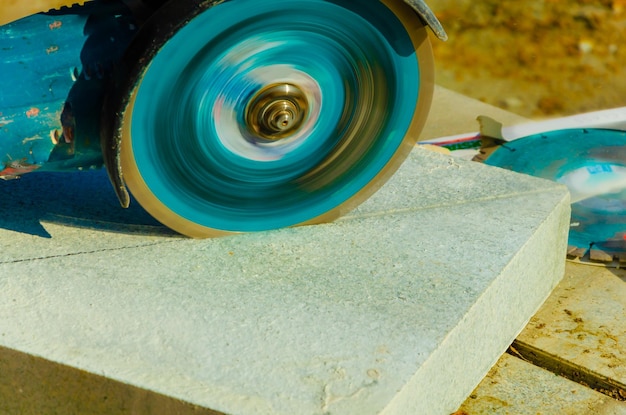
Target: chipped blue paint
(55,69)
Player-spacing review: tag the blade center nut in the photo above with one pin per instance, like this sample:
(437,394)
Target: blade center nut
(276,112)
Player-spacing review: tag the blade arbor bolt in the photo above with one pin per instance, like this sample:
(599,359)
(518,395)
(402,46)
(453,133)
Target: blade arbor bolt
(276,112)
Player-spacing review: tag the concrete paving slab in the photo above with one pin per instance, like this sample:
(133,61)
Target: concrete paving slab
(453,113)
(376,313)
(582,326)
(514,386)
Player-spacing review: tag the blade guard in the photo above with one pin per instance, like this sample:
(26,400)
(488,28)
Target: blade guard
(424,12)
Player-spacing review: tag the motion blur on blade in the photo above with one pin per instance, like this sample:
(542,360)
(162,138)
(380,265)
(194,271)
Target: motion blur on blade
(218,116)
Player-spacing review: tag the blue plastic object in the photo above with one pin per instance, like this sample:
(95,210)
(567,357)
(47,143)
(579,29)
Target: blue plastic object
(592,163)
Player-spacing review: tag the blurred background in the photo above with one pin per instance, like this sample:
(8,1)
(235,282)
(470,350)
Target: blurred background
(537,58)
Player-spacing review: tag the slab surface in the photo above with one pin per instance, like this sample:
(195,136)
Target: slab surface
(372,314)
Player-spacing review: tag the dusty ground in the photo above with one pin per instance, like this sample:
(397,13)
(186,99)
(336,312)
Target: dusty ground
(537,58)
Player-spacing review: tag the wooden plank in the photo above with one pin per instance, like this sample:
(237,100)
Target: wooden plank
(569,370)
(583,323)
(514,386)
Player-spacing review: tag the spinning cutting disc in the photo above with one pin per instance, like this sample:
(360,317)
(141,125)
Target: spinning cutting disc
(592,164)
(261,115)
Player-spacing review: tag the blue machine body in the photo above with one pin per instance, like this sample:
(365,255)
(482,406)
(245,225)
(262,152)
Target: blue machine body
(220,116)
(56,68)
